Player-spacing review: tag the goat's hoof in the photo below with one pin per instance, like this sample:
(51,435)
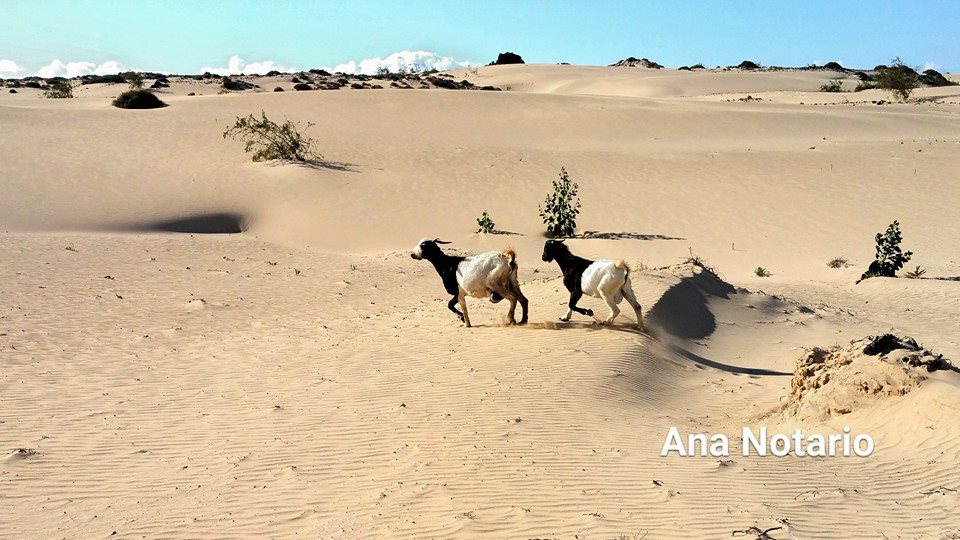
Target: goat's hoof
(590,313)
(522,322)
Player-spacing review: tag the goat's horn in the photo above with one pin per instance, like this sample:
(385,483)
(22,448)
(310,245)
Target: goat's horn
(439,241)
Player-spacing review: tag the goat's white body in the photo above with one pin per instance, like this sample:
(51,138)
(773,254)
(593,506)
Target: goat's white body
(609,281)
(604,277)
(480,275)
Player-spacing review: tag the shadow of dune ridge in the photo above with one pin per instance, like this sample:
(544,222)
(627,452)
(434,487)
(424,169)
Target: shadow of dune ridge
(680,351)
(683,310)
(205,223)
(625,236)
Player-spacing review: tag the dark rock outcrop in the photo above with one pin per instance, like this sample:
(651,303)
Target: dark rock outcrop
(637,62)
(507,58)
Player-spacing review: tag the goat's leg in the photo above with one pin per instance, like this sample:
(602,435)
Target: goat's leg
(523,303)
(452,304)
(627,291)
(572,306)
(610,298)
(462,298)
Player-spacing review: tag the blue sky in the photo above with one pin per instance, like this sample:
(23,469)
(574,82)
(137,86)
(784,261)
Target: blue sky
(183,37)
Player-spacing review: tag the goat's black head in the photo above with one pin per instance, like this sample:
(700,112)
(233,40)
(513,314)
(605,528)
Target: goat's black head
(553,248)
(427,249)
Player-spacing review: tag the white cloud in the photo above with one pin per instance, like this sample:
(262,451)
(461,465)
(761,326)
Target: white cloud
(56,68)
(237,66)
(402,60)
(9,67)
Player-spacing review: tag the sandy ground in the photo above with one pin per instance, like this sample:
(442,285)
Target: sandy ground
(305,377)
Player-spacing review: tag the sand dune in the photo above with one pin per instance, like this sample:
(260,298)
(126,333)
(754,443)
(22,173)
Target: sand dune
(302,376)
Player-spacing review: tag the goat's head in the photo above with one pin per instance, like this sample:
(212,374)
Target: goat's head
(553,248)
(427,248)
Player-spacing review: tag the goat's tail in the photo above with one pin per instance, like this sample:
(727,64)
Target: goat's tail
(512,255)
(622,264)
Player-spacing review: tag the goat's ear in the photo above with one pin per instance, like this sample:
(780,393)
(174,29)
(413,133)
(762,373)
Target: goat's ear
(439,241)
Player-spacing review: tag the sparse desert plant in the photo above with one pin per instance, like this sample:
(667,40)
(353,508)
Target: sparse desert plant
(761,272)
(890,257)
(561,207)
(138,99)
(296,271)
(135,80)
(838,262)
(59,90)
(898,78)
(917,273)
(865,85)
(486,224)
(269,140)
(835,85)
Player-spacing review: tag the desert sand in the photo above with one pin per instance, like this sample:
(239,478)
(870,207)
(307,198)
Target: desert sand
(304,377)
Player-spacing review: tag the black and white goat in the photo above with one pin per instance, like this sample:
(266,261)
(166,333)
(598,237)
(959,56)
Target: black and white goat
(490,275)
(606,279)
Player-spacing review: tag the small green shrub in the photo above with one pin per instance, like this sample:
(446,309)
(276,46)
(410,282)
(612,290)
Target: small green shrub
(898,78)
(839,262)
(59,90)
(835,85)
(138,99)
(486,224)
(561,207)
(269,140)
(890,257)
(135,80)
(761,272)
(916,273)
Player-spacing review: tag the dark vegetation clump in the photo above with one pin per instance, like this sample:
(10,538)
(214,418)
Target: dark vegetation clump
(833,66)
(31,84)
(320,72)
(236,84)
(507,58)
(299,87)
(932,77)
(278,89)
(102,79)
(138,99)
(747,64)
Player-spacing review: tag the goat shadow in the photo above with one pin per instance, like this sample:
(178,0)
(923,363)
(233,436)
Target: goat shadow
(588,235)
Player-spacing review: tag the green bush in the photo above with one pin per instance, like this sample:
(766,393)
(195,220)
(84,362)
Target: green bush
(486,224)
(898,78)
(59,90)
(135,80)
(138,99)
(761,272)
(890,257)
(561,207)
(269,140)
(835,85)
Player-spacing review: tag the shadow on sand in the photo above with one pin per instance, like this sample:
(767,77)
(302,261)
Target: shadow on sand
(319,164)
(589,235)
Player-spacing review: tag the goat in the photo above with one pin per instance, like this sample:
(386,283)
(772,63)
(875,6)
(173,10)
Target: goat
(606,279)
(490,275)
